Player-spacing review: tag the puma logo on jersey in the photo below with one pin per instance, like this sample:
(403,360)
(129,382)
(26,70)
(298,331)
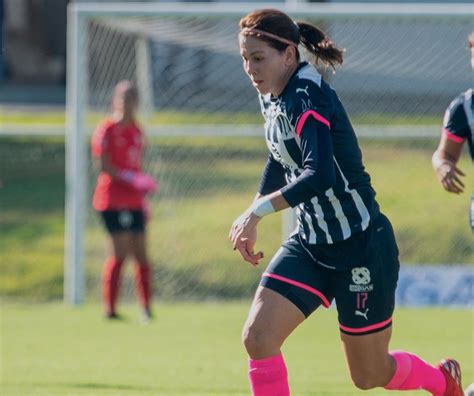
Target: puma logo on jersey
(363,314)
(305,90)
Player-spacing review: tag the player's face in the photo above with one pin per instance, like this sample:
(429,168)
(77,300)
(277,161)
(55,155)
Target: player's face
(265,66)
(125,101)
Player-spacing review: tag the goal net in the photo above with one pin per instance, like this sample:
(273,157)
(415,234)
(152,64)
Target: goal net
(403,65)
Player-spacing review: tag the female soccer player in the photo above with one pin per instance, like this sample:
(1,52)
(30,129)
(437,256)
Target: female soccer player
(458,127)
(344,248)
(119,197)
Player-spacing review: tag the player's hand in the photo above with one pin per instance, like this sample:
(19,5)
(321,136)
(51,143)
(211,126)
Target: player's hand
(243,235)
(144,182)
(449,175)
(139,180)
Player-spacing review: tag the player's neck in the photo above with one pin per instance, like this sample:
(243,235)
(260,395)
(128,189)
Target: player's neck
(284,81)
(122,118)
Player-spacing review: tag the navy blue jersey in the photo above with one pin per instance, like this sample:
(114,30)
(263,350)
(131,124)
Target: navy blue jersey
(307,110)
(458,121)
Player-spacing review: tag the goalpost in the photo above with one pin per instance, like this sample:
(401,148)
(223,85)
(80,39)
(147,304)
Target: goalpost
(403,61)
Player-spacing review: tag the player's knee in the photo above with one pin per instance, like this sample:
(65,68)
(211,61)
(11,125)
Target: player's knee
(121,257)
(364,381)
(256,341)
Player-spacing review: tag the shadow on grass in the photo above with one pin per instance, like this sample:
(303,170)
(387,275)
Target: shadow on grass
(17,232)
(156,390)
(92,385)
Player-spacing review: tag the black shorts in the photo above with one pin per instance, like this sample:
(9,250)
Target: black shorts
(360,274)
(123,220)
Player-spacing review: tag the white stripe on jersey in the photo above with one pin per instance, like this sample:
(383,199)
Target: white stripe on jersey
(364,213)
(468,110)
(336,204)
(309,221)
(320,218)
(285,155)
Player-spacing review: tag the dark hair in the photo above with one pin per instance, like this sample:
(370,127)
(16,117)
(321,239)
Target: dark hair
(470,40)
(126,86)
(280,24)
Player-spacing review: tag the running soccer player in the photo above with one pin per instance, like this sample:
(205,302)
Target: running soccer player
(458,127)
(118,145)
(344,248)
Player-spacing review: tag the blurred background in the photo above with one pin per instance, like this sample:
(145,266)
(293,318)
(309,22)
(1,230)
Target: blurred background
(399,75)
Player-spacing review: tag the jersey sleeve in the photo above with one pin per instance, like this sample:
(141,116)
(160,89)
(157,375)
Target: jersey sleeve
(455,123)
(309,100)
(310,112)
(319,172)
(100,139)
(273,177)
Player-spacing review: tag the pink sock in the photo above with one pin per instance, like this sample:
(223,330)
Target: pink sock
(414,373)
(143,278)
(111,283)
(268,377)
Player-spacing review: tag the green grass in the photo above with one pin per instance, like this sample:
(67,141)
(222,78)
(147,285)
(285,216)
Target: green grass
(193,349)
(58,118)
(206,183)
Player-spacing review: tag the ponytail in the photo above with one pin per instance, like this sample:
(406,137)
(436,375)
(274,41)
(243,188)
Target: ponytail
(320,45)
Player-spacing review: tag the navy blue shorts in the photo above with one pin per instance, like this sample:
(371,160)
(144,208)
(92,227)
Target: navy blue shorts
(123,220)
(360,274)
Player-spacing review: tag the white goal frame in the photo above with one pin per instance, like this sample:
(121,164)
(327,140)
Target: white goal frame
(76,185)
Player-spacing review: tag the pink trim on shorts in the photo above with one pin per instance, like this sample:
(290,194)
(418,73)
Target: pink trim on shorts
(367,328)
(325,301)
(453,137)
(304,117)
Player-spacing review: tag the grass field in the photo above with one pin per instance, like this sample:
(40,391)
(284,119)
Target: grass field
(193,349)
(58,118)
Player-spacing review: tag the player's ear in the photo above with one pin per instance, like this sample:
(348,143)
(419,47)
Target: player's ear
(290,55)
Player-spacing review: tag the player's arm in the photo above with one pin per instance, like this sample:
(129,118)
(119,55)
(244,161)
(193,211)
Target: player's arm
(318,176)
(319,173)
(313,128)
(273,178)
(446,156)
(102,162)
(100,146)
(444,162)
(101,152)
(317,154)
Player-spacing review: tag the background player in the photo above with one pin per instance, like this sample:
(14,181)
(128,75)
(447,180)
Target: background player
(344,248)
(458,127)
(118,145)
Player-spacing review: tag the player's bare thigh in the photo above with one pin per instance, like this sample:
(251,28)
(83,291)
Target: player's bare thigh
(121,244)
(272,318)
(138,247)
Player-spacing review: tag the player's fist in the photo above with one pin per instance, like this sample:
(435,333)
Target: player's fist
(145,183)
(139,180)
